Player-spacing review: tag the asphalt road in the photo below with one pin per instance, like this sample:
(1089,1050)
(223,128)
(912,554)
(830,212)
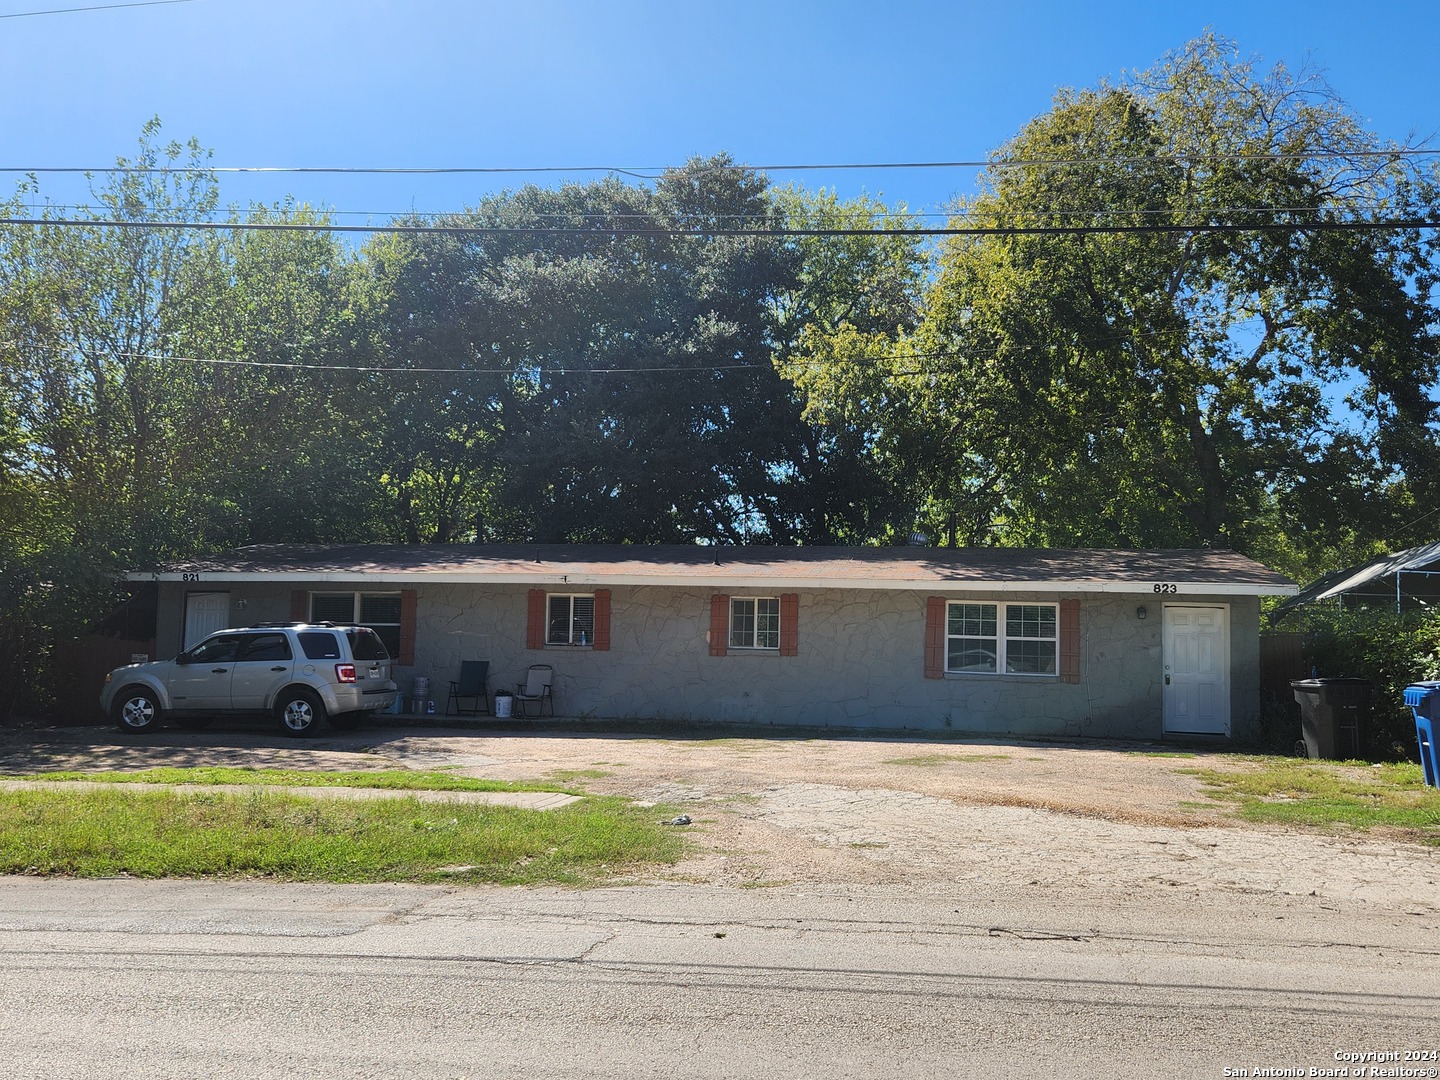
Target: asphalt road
(186,979)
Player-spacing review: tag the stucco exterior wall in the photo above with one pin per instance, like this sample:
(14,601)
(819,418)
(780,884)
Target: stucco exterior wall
(860,662)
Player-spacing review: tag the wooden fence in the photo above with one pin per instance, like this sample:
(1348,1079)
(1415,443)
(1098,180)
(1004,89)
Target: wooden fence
(1282,658)
(78,669)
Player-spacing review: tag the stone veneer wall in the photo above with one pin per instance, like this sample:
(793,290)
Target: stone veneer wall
(860,661)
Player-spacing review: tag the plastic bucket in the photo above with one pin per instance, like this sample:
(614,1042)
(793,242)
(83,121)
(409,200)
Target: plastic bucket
(503,703)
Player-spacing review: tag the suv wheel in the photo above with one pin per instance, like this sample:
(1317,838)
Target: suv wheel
(299,712)
(135,710)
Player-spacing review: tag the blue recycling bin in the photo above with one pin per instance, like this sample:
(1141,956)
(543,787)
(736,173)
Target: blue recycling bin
(1424,701)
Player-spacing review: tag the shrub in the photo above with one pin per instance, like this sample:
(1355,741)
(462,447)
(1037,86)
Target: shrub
(1389,649)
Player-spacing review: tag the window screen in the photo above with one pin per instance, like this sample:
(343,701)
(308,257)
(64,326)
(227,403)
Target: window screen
(571,620)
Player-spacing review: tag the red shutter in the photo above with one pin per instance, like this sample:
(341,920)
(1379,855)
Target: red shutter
(1070,641)
(935,637)
(719,624)
(602,620)
(407,628)
(299,606)
(789,624)
(535,620)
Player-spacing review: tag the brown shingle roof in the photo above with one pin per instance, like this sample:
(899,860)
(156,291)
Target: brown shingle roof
(875,567)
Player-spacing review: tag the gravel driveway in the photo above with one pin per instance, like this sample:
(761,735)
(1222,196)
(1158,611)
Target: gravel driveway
(1004,816)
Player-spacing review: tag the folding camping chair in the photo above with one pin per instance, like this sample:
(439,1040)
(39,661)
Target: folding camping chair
(474,686)
(536,689)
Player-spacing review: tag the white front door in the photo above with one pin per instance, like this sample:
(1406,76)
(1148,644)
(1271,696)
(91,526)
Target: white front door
(205,612)
(1197,670)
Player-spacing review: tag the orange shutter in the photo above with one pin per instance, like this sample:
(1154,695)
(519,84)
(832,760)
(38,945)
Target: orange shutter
(1070,641)
(299,606)
(602,620)
(407,628)
(535,620)
(719,624)
(935,637)
(789,624)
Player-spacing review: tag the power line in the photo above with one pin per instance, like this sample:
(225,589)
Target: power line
(651,172)
(260,210)
(523,366)
(711,233)
(94,7)
(519,369)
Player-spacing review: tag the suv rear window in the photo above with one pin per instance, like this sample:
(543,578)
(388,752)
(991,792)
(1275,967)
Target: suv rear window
(320,645)
(366,645)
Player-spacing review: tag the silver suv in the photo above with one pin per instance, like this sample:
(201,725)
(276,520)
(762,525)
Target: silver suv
(299,673)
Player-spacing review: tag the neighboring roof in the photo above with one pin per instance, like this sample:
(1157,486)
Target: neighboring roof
(1356,578)
(1199,570)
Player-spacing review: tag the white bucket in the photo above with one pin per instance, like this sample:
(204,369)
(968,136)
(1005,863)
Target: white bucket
(503,703)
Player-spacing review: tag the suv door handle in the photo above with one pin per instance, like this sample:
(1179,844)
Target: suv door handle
(280,668)
(219,670)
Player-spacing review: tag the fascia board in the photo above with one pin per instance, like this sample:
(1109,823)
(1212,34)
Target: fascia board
(722,581)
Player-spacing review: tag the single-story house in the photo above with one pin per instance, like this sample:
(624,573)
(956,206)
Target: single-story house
(1132,644)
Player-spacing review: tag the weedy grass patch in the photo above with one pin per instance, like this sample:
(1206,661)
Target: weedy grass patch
(143,831)
(1358,795)
(927,760)
(562,776)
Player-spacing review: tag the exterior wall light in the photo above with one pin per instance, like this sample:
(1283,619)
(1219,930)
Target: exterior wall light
(1140,613)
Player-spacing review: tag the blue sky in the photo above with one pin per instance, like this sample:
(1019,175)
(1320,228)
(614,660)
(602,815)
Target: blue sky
(432,83)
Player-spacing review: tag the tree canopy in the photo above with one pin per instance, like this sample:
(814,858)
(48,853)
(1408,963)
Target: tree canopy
(1149,379)
(1171,322)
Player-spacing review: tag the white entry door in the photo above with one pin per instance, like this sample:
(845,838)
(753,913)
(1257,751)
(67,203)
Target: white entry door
(205,612)
(1197,670)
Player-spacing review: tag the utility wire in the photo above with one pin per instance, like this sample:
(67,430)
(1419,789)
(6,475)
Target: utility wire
(261,211)
(651,172)
(524,365)
(93,7)
(703,233)
(520,368)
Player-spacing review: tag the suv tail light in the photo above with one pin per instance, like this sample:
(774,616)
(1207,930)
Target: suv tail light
(345,672)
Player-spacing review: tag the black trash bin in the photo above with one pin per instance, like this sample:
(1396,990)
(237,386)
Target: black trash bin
(1333,713)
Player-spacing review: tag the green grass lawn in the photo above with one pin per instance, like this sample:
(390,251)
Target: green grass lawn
(392,779)
(144,831)
(1358,795)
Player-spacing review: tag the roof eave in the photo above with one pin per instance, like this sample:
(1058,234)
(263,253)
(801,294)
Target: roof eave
(720,579)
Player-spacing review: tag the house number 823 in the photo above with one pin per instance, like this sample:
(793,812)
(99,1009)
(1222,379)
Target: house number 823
(1165,587)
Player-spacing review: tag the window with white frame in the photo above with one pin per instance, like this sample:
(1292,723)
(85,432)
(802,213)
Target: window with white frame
(755,622)
(571,619)
(379,611)
(1001,639)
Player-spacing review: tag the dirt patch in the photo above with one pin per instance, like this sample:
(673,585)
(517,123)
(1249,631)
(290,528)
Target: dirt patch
(998,816)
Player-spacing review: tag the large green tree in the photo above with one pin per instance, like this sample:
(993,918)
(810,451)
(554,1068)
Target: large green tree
(1268,387)
(612,380)
(861,271)
(132,426)
(270,340)
(90,315)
